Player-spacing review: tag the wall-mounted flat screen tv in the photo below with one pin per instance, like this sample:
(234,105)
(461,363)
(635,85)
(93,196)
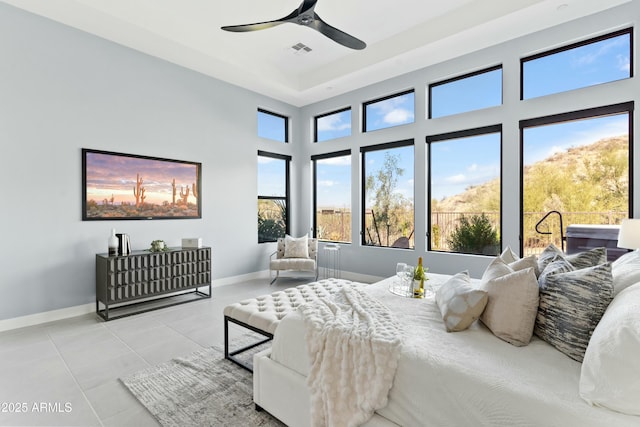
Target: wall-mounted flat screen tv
(127,186)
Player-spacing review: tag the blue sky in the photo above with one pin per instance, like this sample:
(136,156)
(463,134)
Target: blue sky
(459,164)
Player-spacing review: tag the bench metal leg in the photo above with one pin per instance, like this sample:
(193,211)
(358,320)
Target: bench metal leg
(230,355)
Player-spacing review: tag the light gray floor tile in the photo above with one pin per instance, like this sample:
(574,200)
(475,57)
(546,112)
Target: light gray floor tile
(111,398)
(79,360)
(138,417)
(90,374)
(170,349)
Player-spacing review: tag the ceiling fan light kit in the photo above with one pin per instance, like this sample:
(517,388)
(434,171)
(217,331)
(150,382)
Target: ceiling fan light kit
(304,15)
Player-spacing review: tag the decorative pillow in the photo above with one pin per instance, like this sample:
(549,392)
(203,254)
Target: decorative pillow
(590,258)
(497,268)
(625,271)
(516,263)
(460,303)
(526,262)
(508,255)
(560,265)
(548,255)
(584,259)
(571,305)
(611,363)
(512,306)
(296,247)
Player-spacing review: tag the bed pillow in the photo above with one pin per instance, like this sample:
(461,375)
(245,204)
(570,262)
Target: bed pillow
(547,256)
(590,258)
(625,271)
(296,247)
(460,303)
(609,375)
(571,305)
(508,255)
(560,265)
(496,268)
(512,306)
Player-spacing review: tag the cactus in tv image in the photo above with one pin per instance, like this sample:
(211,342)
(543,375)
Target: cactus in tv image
(173,190)
(194,190)
(184,194)
(138,191)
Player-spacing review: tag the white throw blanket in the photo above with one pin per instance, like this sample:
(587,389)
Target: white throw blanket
(354,345)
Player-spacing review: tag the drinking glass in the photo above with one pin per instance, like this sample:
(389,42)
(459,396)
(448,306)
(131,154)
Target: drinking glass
(400,270)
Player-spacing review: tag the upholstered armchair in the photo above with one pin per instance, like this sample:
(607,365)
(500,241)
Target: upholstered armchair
(293,254)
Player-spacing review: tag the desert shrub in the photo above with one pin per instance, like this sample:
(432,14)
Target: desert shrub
(474,235)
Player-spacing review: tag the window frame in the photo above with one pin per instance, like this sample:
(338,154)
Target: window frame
(384,98)
(589,113)
(287,197)
(466,133)
(575,45)
(315,157)
(363,180)
(320,116)
(280,116)
(462,77)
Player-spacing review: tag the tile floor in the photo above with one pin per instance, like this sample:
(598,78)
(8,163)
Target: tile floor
(65,373)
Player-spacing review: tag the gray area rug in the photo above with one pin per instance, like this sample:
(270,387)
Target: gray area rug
(202,389)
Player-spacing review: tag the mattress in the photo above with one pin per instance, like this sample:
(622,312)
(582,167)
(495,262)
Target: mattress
(465,378)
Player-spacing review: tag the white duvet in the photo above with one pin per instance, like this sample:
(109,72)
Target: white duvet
(468,378)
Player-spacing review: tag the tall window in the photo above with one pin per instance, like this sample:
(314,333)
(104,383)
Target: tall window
(389,111)
(273,126)
(273,196)
(591,62)
(332,196)
(465,188)
(387,194)
(578,165)
(469,92)
(332,125)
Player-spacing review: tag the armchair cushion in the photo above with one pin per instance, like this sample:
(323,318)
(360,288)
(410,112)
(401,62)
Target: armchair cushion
(296,247)
(299,264)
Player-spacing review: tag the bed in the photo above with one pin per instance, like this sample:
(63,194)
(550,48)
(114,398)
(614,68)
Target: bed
(442,379)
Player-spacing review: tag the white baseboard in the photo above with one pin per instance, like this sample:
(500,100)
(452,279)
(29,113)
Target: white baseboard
(47,316)
(79,310)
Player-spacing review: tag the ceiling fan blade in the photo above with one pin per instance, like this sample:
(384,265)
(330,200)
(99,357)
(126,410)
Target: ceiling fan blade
(335,34)
(251,27)
(261,25)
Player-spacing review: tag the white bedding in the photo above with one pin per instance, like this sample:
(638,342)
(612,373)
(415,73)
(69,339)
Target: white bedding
(466,378)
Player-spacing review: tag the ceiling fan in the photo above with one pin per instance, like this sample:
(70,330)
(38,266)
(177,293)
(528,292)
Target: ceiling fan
(304,15)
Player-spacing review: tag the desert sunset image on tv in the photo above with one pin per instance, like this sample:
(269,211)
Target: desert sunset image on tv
(125,186)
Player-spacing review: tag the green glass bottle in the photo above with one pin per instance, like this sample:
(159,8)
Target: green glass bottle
(418,292)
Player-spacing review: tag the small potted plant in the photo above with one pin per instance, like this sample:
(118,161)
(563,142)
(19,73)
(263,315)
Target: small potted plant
(158,246)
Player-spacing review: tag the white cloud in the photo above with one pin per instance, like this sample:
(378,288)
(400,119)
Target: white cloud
(337,161)
(456,179)
(327,183)
(398,116)
(332,123)
(473,167)
(556,149)
(624,63)
(591,57)
(264,160)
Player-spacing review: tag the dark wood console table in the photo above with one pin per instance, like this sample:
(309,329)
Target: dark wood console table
(135,283)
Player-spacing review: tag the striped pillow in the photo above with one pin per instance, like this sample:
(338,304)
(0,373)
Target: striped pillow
(571,305)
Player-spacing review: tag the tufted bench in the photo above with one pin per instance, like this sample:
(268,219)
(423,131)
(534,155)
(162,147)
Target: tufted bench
(263,314)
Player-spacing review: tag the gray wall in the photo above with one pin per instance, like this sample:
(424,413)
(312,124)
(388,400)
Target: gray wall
(62,90)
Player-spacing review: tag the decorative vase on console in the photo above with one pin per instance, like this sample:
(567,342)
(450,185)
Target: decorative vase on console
(113,243)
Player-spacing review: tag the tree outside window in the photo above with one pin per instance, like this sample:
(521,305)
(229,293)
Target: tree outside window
(388,174)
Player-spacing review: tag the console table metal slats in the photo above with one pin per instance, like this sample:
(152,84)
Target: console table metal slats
(143,277)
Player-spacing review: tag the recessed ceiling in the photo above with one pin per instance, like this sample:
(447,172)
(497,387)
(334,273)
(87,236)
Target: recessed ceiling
(401,36)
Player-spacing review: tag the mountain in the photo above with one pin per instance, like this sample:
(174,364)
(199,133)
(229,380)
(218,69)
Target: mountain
(590,177)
